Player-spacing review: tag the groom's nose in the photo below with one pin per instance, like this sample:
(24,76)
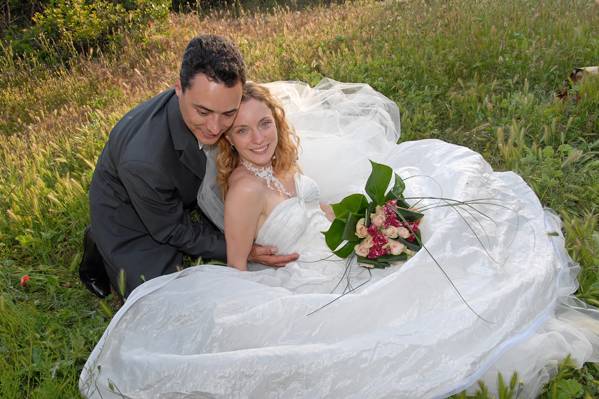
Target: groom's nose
(213,124)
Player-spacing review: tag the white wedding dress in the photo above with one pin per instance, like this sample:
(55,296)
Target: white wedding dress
(215,332)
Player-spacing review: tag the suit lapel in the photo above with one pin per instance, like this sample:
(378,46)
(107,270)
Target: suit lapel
(184,141)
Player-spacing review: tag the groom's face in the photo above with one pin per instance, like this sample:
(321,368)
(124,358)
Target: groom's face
(208,107)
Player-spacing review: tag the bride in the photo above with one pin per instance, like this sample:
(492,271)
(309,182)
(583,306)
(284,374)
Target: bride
(211,331)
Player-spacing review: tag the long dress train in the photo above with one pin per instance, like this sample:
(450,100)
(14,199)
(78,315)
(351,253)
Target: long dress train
(215,332)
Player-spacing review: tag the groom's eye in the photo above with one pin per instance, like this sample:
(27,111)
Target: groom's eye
(202,111)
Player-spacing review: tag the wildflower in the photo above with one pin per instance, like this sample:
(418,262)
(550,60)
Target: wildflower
(24,280)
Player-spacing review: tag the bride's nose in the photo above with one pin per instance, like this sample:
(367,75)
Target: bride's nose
(257,136)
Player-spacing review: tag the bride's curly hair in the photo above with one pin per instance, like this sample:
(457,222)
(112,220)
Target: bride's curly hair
(286,153)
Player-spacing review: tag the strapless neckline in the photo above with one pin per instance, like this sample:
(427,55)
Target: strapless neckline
(277,208)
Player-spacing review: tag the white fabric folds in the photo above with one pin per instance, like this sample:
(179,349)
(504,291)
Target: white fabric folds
(215,332)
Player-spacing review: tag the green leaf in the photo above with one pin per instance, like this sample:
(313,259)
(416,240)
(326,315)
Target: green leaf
(371,208)
(408,214)
(398,187)
(349,232)
(567,389)
(374,262)
(345,250)
(413,246)
(334,235)
(378,181)
(393,258)
(355,203)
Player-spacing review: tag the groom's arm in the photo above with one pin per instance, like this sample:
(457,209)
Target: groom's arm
(160,208)
(267,255)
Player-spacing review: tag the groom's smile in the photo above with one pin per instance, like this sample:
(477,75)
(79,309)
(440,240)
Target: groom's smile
(208,107)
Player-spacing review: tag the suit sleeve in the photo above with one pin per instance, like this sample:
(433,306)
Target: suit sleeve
(161,211)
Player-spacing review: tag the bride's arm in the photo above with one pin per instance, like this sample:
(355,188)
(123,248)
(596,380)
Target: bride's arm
(243,206)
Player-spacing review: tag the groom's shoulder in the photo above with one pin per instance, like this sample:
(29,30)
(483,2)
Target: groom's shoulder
(143,133)
(149,109)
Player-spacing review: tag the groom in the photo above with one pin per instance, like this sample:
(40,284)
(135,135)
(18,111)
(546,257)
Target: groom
(144,188)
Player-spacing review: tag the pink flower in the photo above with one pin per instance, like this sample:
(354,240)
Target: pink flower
(378,220)
(24,280)
(361,230)
(368,241)
(361,250)
(377,251)
(396,247)
(390,214)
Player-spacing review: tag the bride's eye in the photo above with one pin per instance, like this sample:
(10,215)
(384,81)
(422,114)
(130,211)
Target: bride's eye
(266,123)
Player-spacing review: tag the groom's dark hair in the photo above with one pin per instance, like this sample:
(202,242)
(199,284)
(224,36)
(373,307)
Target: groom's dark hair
(214,56)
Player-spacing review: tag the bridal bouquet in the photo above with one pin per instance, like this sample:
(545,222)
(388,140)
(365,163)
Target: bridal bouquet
(379,229)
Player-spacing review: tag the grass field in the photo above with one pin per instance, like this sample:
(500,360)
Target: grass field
(479,73)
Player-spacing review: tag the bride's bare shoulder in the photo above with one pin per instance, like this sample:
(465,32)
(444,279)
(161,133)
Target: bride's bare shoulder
(244,185)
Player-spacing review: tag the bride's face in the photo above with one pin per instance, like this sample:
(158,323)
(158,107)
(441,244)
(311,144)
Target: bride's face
(254,132)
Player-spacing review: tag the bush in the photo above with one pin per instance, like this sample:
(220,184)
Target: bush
(66,28)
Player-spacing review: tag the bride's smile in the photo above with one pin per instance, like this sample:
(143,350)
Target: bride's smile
(254,133)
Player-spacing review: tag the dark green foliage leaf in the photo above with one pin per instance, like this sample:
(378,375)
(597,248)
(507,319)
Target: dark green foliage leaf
(349,232)
(408,214)
(413,246)
(355,203)
(345,250)
(398,188)
(334,235)
(383,261)
(378,181)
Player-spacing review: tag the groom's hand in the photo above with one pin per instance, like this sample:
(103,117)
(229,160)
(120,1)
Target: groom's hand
(268,256)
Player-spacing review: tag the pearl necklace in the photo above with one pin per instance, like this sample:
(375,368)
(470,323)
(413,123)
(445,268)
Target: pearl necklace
(265,173)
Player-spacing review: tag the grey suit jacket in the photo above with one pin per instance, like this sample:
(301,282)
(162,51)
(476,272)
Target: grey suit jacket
(143,190)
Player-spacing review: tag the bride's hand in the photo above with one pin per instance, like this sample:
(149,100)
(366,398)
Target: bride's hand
(268,256)
(328,211)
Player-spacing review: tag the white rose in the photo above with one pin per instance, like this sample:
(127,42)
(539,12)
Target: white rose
(403,232)
(391,232)
(396,247)
(361,230)
(378,220)
(361,250)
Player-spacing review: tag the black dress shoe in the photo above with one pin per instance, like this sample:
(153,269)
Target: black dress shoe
(91,269)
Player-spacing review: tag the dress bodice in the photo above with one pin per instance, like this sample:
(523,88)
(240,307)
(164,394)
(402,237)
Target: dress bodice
(297,221)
